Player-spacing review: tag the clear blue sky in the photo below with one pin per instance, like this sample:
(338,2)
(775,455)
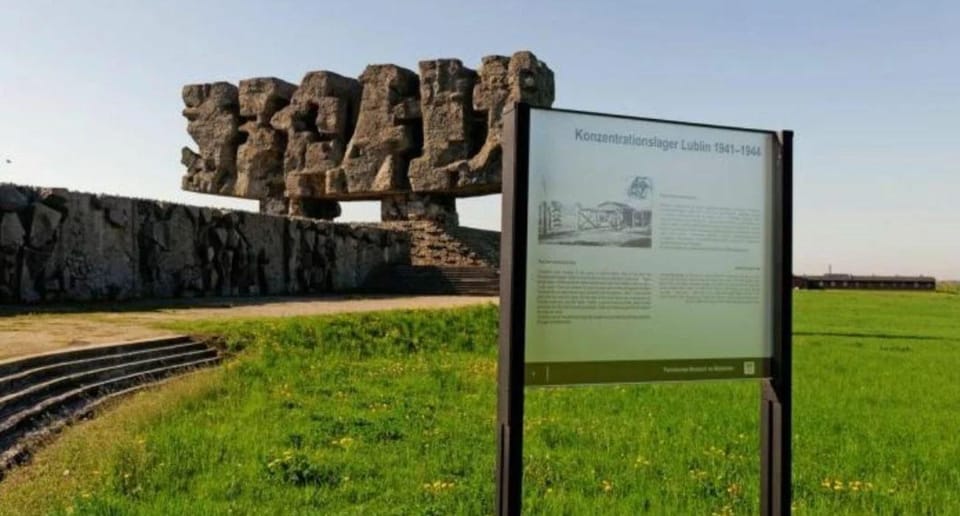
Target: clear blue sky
(90,92)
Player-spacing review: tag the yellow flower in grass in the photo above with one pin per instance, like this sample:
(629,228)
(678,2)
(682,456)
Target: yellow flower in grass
(607,486)
(726,510)
(438,486)
(836,484)
(713,451)
(734,489)
(343,442)
(377,407)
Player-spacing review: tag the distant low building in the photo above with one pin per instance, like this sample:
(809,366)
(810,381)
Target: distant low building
(850,281)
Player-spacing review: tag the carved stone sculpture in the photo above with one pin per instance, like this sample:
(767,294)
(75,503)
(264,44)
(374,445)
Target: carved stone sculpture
(414,142)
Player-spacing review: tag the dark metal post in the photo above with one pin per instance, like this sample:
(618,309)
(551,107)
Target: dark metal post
(776,455)
(513,259)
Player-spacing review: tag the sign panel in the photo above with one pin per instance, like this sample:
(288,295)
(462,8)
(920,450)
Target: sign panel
(644,250)
(650,250)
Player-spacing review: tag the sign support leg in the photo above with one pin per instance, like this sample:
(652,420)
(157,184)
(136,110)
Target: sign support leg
(510,468)
(510,367)
(776,411)
(775,452)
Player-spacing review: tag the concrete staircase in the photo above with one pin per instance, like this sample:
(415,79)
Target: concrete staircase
(428,279)
(42,393)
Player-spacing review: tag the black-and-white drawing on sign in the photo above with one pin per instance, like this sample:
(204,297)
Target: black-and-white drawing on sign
(624,220)
(640,188)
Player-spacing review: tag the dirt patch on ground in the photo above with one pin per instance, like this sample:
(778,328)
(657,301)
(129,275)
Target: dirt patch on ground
(25,331)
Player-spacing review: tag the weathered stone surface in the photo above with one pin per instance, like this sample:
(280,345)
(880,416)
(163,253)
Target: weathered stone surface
(449,123)
(213,121)
(434,207)
(317,123)
(28,235)
(117,213)
(392,136)
(260,173)
(262,97)
(43,229)
(324,104)
(91,247)
(386,136)
(11,232)
(260,163)
(503,81)
(56,198)
(11,242)
(11,199)
(273,206)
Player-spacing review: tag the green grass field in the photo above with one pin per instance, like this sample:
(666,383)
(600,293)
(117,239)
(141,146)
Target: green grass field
(393,413)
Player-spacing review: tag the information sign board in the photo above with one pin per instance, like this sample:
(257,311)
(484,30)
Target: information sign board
(649,250)
(639,250)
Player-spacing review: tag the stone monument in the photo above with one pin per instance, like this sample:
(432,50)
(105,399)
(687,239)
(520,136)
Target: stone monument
(414,142)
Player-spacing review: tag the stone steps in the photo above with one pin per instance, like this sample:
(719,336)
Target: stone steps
(41,394)
(428,279)
(449,245)
(484,245)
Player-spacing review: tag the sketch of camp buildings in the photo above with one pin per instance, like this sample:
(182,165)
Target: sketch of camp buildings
(609,223)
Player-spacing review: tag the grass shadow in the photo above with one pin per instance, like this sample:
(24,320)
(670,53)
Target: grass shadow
(859,335)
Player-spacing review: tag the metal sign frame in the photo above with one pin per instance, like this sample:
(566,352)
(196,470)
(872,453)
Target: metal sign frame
(775,390)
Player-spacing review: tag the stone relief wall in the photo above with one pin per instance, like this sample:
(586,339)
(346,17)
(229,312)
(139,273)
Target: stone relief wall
(413,141)
(58,245)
